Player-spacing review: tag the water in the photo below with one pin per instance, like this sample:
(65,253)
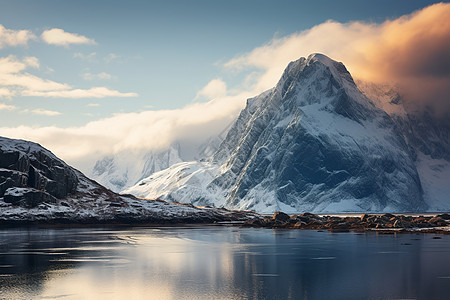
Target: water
(211,262)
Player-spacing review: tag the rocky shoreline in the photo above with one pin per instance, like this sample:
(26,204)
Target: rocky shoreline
(384,223)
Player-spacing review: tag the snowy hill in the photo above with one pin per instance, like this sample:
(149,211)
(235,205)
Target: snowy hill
(316,143)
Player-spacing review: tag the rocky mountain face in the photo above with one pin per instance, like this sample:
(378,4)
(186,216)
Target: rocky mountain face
(30,175)
(428,139)
(36,187)
(316,143)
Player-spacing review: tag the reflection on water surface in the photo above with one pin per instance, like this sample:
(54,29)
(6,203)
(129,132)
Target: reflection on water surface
(220,263)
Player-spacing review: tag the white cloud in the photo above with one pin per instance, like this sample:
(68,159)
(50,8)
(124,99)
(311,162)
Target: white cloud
(7,107)
(82,146)
(9,37)
(31,61)
(15,80)
(12,75)
(42,112)
(93,105)
(339,41)
(59,37)
(6,93)
(91,57)
(101,76)
(110,57)
(215,88)
(95,92)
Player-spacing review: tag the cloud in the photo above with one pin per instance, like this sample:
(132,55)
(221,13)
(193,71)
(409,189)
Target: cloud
(59,37)
(6,93)
(110,57)
(134,132)
(7,107)
(9,37)
(12,75)
(93,105)
(215,88)
(42,112)
(96,92)
(15,80)
(101,76)
(91,57)
(31,61)
(411,51)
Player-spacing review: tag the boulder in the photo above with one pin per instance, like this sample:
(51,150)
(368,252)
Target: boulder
(280,216)
(444,216)
(437,221)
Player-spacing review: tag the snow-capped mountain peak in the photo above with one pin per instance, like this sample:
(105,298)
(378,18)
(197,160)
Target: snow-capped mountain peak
(314,142)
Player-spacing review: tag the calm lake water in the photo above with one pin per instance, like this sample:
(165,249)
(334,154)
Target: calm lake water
(213,262)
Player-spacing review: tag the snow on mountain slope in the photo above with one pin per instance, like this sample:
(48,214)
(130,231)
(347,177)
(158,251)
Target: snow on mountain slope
(427,137)
(312,143)
(124,169)
(435,177)
(185,180)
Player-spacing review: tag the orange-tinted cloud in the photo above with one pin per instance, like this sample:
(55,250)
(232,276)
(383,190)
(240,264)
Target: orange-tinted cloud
(412,52)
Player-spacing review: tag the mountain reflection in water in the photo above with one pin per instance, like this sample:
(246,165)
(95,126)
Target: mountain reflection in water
(209,262)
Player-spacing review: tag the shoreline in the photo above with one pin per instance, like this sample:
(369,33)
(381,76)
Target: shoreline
(381,223)
(376,223)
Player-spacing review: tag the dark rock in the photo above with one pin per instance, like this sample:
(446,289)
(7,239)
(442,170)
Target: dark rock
(254,223)
(299,225)
(13,160)
(388,216)
(308,215)
(27,197)
(364,217)
(444,216)
(25,164)
(280,216)
(437,221)
(398,224)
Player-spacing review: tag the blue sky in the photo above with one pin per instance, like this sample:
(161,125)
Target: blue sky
(163,51)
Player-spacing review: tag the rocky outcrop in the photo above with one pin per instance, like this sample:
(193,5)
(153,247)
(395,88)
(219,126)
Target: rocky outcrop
(27,197)
(30,174)
(365,222)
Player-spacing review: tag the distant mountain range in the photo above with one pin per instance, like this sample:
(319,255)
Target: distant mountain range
(315,142)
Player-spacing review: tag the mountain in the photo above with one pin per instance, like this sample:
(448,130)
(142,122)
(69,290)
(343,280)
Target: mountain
(36,187)
(124,169)
(315,143)
(427,136)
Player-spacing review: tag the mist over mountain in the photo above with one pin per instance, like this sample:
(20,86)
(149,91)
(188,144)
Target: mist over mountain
(125,168)
(318,142)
